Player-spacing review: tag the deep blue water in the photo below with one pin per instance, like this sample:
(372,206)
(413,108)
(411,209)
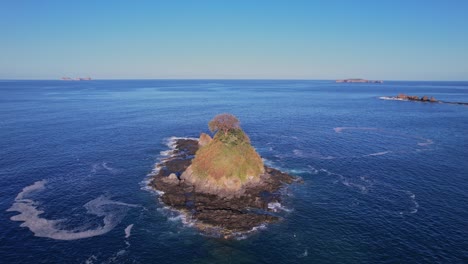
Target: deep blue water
(384,181)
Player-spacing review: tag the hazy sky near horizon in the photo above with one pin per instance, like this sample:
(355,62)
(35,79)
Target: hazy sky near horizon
(387,39)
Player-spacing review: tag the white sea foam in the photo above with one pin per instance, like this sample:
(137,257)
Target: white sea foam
(181,217)
(164,155)
(109,168)
(275,207)
(341,129)
(377,153)
(167,153)
(174,215)
(103,166)
(91,259)
(305,254)
(297,171)
(171,142)
(178,218)
(392,98)
(312,170)
(128,231)
(260,227)
(415,207)
(42,227)
(117,257)
(269,163)
(37,186)
(298,153)
(310,154)
(145,183)
(362,183)
(426,143)
(245,235)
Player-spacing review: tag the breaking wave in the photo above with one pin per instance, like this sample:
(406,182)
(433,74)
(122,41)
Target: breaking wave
(111,211)
(275,207)
(163,155)
(392,98)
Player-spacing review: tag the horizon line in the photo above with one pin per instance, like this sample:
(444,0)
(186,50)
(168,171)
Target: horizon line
(228,79)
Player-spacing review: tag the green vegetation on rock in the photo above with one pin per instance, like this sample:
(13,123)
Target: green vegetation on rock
(229,156)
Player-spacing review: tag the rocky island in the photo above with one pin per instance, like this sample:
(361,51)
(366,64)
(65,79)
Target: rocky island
(76,79)
(414,98)
(221,184)
(357,81)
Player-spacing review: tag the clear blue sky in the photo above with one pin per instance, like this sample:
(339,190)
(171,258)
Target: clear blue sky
(374,39)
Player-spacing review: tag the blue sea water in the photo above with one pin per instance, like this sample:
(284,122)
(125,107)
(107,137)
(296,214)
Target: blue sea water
(384,181)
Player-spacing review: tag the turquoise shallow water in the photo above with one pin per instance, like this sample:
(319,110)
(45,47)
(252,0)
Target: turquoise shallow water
(384,181)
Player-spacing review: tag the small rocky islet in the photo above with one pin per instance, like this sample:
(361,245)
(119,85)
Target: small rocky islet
(357,80)
(415,98)
(221,184)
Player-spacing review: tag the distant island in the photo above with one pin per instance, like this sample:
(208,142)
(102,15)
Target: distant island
(357,81)
(414,98)
(221,184)
(76,79)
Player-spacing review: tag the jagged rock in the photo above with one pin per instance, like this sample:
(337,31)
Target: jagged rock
(204,139)
(172,178)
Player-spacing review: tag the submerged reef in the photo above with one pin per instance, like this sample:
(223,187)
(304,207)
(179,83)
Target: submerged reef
(220,183)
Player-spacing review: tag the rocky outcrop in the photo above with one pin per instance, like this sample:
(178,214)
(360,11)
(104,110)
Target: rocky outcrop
(204,140)
(227,164)
(416,98)
(211,210)
(413,98)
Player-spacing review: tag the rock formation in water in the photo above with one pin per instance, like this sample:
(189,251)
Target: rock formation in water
(221,183)
(413,98)
(357,81)
(416,98)
(226,164)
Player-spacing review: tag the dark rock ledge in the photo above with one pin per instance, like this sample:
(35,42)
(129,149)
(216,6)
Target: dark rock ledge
(212,214)
(425,99)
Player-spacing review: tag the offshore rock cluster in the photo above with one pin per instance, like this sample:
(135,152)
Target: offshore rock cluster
(217,191)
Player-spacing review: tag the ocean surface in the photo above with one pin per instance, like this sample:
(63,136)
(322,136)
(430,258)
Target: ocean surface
(384,181)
